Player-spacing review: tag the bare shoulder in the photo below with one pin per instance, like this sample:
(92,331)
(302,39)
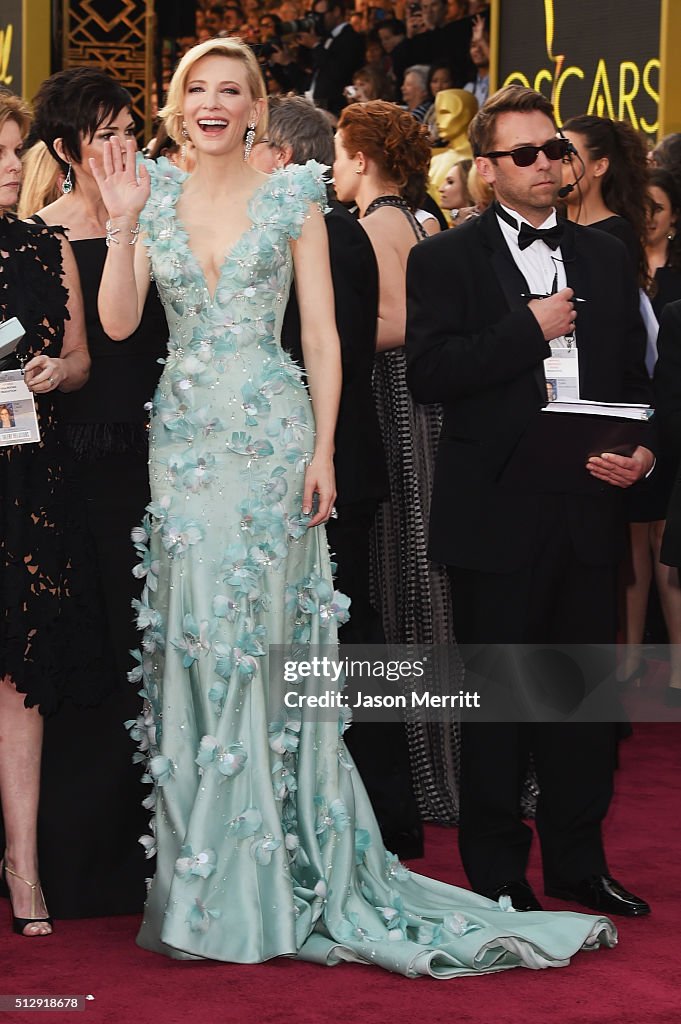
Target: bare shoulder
(52,215)
(388,228)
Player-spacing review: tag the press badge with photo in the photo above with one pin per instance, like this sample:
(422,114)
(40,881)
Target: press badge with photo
(18,419)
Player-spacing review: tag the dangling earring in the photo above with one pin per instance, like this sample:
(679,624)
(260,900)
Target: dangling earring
(250,138)
(67,183)
(671,236)
(185,137)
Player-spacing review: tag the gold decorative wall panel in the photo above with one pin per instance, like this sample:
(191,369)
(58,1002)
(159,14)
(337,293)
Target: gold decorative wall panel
(117,37)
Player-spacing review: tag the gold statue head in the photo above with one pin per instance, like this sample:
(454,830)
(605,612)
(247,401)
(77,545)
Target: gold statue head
(454,110)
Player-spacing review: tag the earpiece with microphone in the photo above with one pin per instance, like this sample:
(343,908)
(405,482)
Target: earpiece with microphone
(567,190)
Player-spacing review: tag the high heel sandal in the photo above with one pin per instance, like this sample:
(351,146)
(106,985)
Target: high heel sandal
(20,923)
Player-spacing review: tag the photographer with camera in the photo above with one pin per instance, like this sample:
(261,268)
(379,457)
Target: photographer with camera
(277,61)
(432,38)
(336,51)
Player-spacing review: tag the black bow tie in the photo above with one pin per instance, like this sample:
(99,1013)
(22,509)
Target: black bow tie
(527,235)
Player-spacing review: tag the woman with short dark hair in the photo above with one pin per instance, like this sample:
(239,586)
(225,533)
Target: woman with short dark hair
(105,430)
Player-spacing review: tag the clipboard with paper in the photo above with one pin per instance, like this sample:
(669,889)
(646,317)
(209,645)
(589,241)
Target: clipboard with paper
(551,454)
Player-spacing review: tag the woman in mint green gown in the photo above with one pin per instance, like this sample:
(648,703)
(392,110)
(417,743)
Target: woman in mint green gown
(266,843)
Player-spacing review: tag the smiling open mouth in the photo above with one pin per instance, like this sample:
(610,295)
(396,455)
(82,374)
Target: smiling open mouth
(212,125)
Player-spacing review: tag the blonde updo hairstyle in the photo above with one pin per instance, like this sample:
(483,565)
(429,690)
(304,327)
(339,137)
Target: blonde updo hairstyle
(392,138)
(172,112)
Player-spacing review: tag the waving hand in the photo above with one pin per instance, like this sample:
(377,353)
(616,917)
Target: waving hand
(124,188)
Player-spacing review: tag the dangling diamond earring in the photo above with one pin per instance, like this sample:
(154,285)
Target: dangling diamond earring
(183,148)
(250,137)
(67,183)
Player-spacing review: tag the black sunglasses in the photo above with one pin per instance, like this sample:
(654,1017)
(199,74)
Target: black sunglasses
(525,156)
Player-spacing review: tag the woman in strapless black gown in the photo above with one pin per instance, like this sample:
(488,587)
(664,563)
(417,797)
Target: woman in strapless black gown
(91,815)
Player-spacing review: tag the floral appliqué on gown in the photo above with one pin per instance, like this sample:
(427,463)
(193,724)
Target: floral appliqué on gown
(266,842)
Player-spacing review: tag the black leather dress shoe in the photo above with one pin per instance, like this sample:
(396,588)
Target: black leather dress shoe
(520,893)
(603,893)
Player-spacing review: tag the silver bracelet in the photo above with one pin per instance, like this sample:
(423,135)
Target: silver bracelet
(111,233)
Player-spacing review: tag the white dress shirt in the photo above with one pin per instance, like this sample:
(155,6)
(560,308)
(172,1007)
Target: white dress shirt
(539,265)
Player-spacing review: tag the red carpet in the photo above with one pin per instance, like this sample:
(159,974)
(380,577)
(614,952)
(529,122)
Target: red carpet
(636,983)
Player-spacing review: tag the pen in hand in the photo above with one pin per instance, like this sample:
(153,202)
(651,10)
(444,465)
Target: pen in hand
(531,295)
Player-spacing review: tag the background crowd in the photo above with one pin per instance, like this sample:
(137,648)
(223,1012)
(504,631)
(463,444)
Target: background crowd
(337,53)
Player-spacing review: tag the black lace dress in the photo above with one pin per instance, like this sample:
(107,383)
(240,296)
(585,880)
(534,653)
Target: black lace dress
(34,569)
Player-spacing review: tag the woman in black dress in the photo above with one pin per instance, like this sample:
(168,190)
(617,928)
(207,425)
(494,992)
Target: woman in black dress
(647,502)
(668,405)
(663,252)
(39,285)
(609,177)
(382,159)
(90,822)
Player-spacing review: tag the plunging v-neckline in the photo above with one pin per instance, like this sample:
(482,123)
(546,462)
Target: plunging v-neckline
(184,236)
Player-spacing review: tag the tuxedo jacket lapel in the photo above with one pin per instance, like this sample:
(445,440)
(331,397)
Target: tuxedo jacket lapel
(511,280)
(577,279)
(574,269)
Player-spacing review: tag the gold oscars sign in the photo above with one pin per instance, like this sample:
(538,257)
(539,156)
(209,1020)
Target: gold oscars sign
(24,44)
(589,56)
(10,44)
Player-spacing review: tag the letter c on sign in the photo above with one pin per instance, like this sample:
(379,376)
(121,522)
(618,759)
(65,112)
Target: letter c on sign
(574,72)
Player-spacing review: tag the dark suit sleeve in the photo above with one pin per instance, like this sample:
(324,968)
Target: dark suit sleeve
(355,283)
(446,358)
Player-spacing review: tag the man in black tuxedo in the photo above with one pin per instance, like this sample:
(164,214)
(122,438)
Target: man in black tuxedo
(298,132)
(336,52)
(534,564)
